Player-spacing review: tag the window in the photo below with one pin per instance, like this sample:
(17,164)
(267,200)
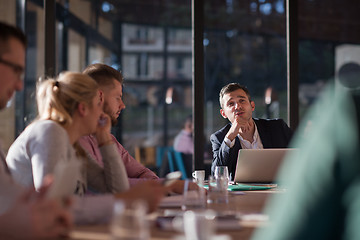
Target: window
(244,41)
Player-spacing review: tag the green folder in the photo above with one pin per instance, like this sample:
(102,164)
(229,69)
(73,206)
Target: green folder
(244,187)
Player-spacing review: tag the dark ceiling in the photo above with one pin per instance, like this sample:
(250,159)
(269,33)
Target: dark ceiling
(324,20)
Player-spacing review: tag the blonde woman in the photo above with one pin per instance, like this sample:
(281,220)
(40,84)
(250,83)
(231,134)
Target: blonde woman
(69,107)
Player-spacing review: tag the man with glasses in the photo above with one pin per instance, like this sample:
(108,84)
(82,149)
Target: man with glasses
(24,214)
(12,63)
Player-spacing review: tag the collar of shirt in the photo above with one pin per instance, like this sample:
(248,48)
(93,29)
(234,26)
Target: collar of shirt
(256,143)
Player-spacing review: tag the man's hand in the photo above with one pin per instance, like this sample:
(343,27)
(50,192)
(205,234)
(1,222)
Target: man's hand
(239,126)
(149,191)
(247,130)
(178,187)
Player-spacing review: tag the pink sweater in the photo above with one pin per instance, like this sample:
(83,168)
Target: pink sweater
(136,171)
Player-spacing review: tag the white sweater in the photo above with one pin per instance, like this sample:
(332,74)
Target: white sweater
(44,143)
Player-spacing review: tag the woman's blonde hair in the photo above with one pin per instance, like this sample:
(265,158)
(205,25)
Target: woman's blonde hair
(58,98)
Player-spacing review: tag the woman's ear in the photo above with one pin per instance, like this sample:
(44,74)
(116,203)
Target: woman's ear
(83,109)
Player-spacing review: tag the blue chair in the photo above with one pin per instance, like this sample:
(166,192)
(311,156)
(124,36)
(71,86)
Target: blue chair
(176,162)
(160,155)
(162,161)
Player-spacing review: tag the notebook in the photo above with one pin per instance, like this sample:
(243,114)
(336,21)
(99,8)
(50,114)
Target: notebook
(259,165)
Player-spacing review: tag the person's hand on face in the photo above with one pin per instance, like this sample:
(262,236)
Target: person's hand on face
(104,123)
(239,126)
(244,126)
(236,127)
(102,133)
(247,130)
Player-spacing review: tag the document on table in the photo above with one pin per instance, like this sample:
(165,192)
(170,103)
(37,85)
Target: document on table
(222,222)
(172,201)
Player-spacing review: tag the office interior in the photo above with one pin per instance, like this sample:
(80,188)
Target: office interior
(175,56)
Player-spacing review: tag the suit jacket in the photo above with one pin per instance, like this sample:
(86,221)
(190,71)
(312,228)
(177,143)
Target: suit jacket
(274,133)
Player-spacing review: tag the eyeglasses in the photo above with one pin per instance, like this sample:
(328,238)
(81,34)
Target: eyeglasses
(18,70)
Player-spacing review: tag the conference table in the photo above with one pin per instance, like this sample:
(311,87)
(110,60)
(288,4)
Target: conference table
(248,204)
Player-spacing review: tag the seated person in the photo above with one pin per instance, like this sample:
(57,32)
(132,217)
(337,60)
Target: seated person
(184,143)
(24,214)
(243,131)
(110,83)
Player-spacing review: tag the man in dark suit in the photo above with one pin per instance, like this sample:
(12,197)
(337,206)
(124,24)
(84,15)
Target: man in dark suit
(243,131)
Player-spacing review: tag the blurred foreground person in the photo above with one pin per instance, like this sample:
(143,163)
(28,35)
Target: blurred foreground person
(24,213)
(322,200)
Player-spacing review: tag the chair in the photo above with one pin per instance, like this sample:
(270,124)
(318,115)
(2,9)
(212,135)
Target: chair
(161,155)
(145,155)
(176,162)
(162,162)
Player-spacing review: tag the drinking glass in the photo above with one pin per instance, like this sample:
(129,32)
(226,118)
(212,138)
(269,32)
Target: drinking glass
(218,193)
(199,225)
(129,221)
(221,171)
(193,198)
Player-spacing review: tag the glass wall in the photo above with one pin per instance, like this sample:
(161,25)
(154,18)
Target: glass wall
(329,38)
(153,52)
(149,52)
(244,42)
(150,42)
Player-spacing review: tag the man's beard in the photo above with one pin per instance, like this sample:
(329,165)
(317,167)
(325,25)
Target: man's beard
(113,119)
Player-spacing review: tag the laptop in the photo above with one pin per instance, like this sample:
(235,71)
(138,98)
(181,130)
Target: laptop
(259,165)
